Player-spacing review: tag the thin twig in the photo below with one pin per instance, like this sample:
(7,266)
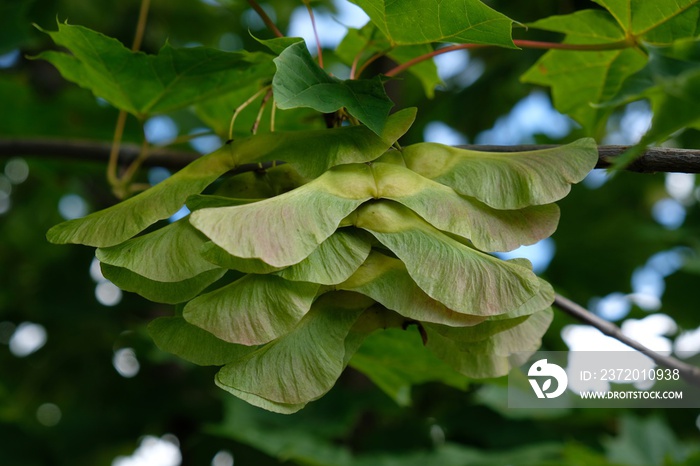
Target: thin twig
(355,62)
(266,19)
(113,162)
(136,164)
(369,61)
(273,114)
(651,160)
(689,372)
(313,26)
(141,25)
(654,159)
(242,107)
(527,44)
(112,176)
(258,117)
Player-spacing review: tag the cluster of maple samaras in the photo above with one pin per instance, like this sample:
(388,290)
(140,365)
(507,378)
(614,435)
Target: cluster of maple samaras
(284,273)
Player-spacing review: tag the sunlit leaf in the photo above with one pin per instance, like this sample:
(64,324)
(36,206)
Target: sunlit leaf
(176,336)
(683,26)
(252,310)
(300,82)
(161,292)
(582,79)
(462,278)
(505,180)
(494,356)
(639,17)
(169,254)
(487,228)
(331,147)
(463,21)
(579,79)
(149,84)
(387,281)
(284,230)
(396,360)
(304,364)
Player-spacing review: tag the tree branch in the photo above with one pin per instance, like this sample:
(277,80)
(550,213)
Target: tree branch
(690,373)
(655,159)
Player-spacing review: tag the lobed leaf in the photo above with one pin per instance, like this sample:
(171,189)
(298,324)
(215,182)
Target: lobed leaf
(505,180)
(300,82)
(161,292)
(670,82)
(639,17)
(463,21)
(582,80)
(463,279)
(176,336)
(304,364)
(253,310)
(150,84)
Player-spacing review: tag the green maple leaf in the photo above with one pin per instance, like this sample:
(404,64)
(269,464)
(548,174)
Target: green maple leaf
(144,84)
(300,82)
(406,22)
(580,80)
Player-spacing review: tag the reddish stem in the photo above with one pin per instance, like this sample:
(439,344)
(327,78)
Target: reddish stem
(371,60)
(527,44)
(313,26)
(266,19)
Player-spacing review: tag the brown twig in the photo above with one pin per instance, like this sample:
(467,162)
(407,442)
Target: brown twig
(527,44)
(266,19)
(690,373)
(654,159)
